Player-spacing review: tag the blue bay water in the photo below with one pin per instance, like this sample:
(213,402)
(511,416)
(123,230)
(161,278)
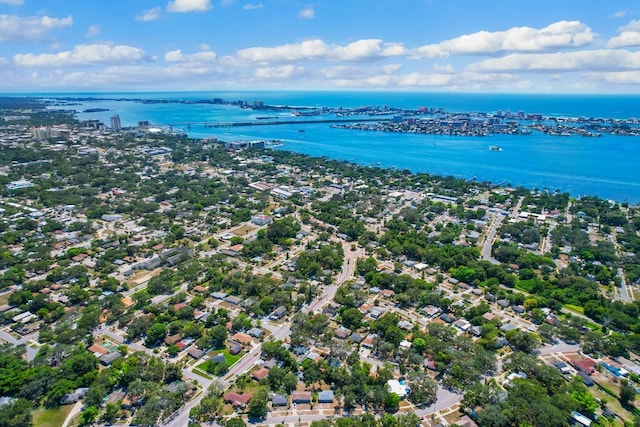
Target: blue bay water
(605,166)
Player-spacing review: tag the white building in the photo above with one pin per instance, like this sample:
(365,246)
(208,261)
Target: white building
(17,185)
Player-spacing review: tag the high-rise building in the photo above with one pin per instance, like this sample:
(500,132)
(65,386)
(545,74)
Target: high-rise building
(115,123)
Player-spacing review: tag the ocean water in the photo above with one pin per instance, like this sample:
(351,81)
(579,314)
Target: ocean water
(605,166)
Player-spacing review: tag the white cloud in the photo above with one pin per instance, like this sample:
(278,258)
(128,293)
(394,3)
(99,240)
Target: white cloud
(346,72)
(149,15)
(424,79)
(226,3)
(559,35)
(15,28)
(178,56)
(586,60)
(250,6)
(624,77)
(83,55)
(308,49)
(445,69)
(182,6)
(12,2)
(361,50)
(277,73)
(626,39)
(391,68)
(94,30)
(620,14)
(307,13)
(368,49)
(631,26)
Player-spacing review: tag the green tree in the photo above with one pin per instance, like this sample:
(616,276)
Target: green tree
(235,422)
(59,389)
(408,420)
(16,414)
(88,416)
(351,318)
(257,407)
(423,388)
(155,334)
(523,341)
(627,393)
(110,412)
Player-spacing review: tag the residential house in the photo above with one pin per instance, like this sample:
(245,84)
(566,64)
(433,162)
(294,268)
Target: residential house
(237,399)
(342,333)
(234,348)
(325,396)
(278,313)
(109,358)
(301,397)
(279,400)
(586,365)
(255,332)
(196,353)
(260,374)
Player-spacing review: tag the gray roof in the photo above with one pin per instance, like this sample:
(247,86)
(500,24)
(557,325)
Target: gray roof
(279,400)
(255,332)
(325,396)
(233,300)
(508,327)
(218,358)
(108,358)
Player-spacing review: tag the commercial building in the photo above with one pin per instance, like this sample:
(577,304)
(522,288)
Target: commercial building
(116,125)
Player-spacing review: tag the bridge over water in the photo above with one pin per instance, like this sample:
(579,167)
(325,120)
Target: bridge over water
(273,122)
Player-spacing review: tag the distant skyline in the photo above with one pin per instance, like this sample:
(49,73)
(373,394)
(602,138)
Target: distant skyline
(560,46)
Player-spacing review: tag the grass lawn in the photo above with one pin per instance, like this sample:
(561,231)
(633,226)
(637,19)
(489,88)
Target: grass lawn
(199,370)
(4,298)
(592,326)
(241,231)
(612,404)
(574,308)
(50,417)
(230,359)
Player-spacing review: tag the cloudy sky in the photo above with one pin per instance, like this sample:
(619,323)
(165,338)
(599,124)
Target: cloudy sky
(542,46)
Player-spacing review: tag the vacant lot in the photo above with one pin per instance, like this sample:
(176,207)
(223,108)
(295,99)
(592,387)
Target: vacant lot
(241,231)
(51,417)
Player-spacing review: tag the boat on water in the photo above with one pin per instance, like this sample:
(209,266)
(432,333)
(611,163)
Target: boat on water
(307,113)
(300,130)
(495,148)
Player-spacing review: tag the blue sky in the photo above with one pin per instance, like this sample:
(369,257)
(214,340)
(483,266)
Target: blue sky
(559,46)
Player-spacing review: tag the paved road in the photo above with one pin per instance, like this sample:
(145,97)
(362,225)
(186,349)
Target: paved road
(243,365)
(625,295)
(348,268)
(491,234)
(444,399)
(488,242)
(15,341)
(561,347)
(279,332)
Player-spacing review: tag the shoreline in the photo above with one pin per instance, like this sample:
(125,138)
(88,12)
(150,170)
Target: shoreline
(438,155)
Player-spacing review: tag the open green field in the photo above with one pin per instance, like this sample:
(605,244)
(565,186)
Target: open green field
(574,308)
(231,359)
(4,298)
(51,417)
